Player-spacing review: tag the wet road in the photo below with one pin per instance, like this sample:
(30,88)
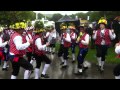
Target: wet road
(55,71)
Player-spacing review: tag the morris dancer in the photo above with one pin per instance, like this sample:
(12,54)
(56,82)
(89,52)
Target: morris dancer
(102,37)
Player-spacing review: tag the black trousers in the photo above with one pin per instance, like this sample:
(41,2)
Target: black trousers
(61,50)
(16,65)
(81,56)
(116,70)
(6,54)
(73,47)
(101,51)
(39,59)
(65,53)
(29,55)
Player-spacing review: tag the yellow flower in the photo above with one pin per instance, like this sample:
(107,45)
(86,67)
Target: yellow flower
(102,21)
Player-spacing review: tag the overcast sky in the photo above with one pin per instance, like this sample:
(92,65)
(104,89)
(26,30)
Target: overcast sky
(61,12)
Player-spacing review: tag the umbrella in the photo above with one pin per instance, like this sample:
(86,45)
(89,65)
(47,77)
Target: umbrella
(65,19)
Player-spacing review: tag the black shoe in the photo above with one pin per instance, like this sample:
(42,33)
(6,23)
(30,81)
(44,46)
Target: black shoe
(53,53)
(79,73)
(44,76)
(73,61)
(61,63)
(65,66)
(68,57)
(32,71)
(49,52)
(4,69)
(85,68)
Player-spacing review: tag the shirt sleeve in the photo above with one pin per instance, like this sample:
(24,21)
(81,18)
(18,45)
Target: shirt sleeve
(39,44)
(27,38)
(47,34)
(54,34)
(86,41)
(73,36)
(117,49)
(2,44)
(94,35)
(18,43)
(68,39)
(112,35)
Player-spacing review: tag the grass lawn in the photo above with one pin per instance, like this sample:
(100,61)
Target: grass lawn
(91,56)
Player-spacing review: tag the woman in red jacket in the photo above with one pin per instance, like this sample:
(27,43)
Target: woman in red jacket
(102,37)
(83,42)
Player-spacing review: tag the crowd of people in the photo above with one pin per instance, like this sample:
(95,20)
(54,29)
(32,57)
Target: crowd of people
(22,45)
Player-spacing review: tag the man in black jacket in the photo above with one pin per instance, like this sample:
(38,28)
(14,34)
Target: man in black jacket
(116,27)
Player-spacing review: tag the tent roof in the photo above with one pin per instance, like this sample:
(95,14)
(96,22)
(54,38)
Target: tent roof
(65,18)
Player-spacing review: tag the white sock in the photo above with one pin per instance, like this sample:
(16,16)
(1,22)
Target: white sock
(102,64)
(65,62)
(73,56)
(26,74)
(37,73)
(80,70)
(5,64)
(85,64)
(50,49)
(31,61)
(13,77)
(61,58)
(99,61)
(117,77)
(45,68)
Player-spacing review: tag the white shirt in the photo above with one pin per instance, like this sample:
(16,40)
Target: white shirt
(74,36)
(2,44)
(62,38)
(52,35)
(18,43)
(47,34)
(112,36)
(68,39)
(86,41)
(117,49)
(27,38)
(39,45)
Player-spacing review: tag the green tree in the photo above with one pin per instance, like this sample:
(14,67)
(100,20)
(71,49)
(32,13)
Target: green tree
(82,15)
(40,16)
(56,17)
(10,17)
(72,16)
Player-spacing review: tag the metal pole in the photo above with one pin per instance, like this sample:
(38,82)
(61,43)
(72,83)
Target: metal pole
(36,16)
(104,14)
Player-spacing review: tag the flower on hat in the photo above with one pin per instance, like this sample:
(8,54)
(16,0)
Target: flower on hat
(102,20)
